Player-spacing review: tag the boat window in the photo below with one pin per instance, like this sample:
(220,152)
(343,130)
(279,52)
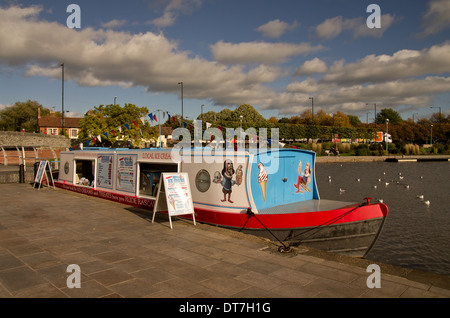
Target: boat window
(150,174)
(84,173)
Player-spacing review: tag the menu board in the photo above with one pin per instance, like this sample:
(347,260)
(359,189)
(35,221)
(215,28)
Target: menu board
(174,195)
(104,171)
(126,173)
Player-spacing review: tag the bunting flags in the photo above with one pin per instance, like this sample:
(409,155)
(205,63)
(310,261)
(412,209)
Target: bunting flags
(153,118)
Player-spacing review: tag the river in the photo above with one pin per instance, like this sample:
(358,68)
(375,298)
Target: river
(415,235)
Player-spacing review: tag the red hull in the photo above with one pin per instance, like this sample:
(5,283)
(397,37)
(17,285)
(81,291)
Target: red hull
(352,230)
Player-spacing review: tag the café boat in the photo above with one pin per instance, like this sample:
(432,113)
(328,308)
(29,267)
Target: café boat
(266,192)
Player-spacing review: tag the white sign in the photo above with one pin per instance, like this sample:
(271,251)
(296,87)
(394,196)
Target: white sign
(43,171)
(175,189)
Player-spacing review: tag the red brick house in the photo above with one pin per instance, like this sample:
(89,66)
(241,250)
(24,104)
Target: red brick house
(52,125)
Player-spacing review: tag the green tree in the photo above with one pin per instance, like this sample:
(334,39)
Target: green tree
(248,113)
(21,116)
(106,119)
(388,113)
(354,120)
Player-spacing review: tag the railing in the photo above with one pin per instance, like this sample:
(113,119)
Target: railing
(28,156)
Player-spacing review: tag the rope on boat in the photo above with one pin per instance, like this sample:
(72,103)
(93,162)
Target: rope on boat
(250,214)
(325,224)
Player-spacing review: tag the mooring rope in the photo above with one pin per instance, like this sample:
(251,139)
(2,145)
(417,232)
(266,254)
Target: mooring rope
(252,214)
(323,225)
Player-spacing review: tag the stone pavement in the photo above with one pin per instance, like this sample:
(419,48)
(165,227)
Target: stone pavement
(120,253)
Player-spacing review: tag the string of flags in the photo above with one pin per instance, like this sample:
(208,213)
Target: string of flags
(152,118)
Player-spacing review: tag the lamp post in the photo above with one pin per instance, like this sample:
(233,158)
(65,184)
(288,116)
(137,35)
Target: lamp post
(312,107)
(387,135)
(367,115)
(439,112)
(431,141)
(62,98)
(182,115)
(115,99)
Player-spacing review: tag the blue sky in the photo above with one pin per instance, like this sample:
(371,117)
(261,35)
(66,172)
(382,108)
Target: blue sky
(273,55)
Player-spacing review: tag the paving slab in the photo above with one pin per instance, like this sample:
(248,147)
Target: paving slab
(122,254)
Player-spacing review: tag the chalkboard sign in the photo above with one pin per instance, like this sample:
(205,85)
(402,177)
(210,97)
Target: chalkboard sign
(174,196)
(42,170)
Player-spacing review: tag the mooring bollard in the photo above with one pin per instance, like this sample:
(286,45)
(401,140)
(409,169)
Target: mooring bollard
(21,173)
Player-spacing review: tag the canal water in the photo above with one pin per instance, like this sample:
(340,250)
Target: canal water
(415,235)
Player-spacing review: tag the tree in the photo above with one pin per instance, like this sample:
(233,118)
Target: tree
(248,113)
(341,120)
(354,120)
(21,116)
(388,113)
(106,119)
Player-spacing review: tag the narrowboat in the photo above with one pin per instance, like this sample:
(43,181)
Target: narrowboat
(269,192)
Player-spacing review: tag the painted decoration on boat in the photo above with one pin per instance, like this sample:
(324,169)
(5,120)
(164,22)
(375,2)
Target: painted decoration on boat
(304,178)
(225,178)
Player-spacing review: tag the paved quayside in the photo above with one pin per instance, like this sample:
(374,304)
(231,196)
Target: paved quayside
(120,253)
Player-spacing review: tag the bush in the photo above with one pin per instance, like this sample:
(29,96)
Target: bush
(362,150)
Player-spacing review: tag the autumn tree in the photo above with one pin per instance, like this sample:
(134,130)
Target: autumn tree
(107,119)
(22,116)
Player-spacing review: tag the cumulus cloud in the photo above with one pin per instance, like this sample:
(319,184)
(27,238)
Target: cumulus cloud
(114,24)
(173,9)
(240,73)
(259,52)
(313,66)
(402,64)
(332,27)
(276,28)
(437,18)
(107,57)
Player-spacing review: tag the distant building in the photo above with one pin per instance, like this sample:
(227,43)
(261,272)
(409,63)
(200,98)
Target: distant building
(52,125)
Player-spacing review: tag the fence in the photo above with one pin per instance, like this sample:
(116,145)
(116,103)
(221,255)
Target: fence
(28,155)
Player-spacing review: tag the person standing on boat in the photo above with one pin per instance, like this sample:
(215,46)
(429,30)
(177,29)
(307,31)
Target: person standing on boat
(227,181)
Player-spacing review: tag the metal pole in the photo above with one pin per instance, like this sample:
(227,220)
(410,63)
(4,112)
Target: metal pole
(312,105)
(62,120)
(159,123)
(182,114)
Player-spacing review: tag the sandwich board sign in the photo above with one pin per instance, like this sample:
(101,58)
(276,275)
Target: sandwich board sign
(42,170)
(174,196)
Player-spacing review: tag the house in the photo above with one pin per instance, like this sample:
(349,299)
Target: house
(52,125)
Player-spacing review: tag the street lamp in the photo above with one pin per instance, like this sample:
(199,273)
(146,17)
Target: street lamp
(387,135)
(202,115)
(367,115)
(62,97)
(431,141)
(312,106)
(182,116)
(439,112)
(115,99)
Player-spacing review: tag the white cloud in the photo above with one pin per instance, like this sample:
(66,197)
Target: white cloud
(173,9)
(114,24)
(259,52)
(313,66)
(437,18)
(239,74)
(404,63)
(332,27)
(275,28)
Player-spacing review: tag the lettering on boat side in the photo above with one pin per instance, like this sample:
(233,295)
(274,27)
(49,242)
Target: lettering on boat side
(374,279)
(74,20)
(74,279)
